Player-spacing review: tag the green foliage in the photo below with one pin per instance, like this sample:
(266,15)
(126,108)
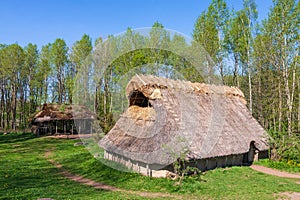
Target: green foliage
(206,33)
(209,31)
(183,168)
(62,108)
(261,59)
(80,51)
(285,148)
(12,60)
(79,55)
(59,59)
(128,57)
(43,73)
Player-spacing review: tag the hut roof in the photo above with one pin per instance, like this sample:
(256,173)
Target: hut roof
(166,117)
(51,112)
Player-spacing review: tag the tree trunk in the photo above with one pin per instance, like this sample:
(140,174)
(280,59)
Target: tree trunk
(279,106)
(260,99)
(22,107)
(298,105)
(44,89)
(289,94)
(235,72)
(105,97)
(8,106)
(250,90)
(293,93)
(274,119)
(111,96)
(249,77)
(14,106)
(248,66)
(60,96)
(2,104)
(96,100)
(220,57)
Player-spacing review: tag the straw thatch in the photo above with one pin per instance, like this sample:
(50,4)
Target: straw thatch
(166,117)
(54,112)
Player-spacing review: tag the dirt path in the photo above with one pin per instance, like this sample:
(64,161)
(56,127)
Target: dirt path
(70,136)
(288,195)
(102,186)
(98,185)
(274,172)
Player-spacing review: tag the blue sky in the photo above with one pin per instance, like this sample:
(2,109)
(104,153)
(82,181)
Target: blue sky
(42,21)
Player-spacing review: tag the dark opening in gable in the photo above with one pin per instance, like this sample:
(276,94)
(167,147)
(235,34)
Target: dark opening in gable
(138,98)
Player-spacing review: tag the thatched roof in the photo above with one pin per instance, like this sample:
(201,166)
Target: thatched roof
(53,112)
(167,117)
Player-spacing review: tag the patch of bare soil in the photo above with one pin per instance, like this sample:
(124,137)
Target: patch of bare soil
(274,172)
(103,186)
(75,136)
(288,195)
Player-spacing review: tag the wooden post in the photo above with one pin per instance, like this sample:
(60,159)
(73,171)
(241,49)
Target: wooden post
(256,152)
(147,166)
(56,127)
(38,130)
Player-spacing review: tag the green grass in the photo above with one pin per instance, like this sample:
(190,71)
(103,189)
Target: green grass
(25,174)
(289,166)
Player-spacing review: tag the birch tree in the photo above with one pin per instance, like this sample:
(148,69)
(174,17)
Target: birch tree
(59,57)
(209,31)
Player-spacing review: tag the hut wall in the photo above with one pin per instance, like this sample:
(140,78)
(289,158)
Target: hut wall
(54,127)
(221,161)
(161,171)
(211,163)
(234,160)
(140,167)
(218,162)
(238,160)
(201,164)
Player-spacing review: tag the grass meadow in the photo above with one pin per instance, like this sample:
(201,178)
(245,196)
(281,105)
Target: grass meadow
(26,174)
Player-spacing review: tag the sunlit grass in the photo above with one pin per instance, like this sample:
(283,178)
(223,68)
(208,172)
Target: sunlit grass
(289,166)
(26,174)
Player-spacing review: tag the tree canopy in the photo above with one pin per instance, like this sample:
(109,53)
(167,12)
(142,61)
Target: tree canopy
(261,58)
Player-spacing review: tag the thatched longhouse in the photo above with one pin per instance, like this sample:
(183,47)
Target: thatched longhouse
(59,119)
(209,125)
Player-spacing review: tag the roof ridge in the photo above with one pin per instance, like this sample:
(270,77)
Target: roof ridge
(140,81)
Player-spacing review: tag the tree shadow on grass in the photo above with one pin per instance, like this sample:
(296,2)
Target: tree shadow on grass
(15,137)
(85,165)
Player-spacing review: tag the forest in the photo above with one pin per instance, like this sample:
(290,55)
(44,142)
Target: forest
(261,58)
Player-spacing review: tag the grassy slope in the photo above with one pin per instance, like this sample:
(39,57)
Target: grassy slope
(25,174)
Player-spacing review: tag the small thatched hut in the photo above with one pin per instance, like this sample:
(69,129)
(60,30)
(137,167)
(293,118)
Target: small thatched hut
(59,119)
(209,125)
